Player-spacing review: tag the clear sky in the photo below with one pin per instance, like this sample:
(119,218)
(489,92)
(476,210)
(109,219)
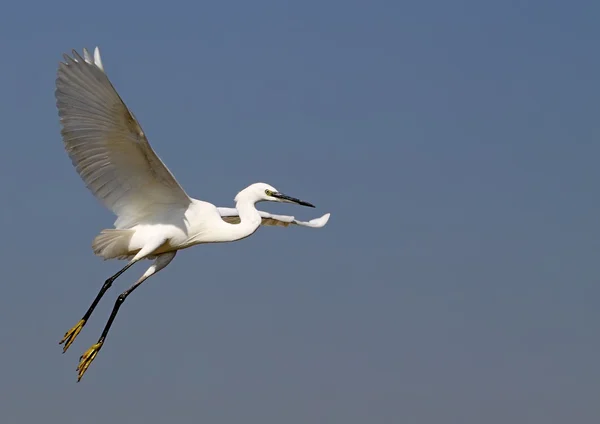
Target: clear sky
(456,145)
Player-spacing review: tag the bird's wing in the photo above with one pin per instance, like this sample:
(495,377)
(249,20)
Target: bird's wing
(231,216)
(107,145)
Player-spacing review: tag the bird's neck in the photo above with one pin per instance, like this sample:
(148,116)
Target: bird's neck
(250,219)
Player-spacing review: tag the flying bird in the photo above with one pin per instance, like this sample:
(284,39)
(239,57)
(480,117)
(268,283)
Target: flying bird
(155,216)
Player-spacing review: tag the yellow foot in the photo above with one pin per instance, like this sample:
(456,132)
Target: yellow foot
(71,334)
(87,358)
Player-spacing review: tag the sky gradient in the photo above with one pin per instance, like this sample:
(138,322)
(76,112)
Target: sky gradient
(455,145)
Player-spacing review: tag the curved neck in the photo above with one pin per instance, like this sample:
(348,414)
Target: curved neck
(250,219)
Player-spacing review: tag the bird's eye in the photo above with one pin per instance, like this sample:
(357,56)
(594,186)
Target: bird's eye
(268,192)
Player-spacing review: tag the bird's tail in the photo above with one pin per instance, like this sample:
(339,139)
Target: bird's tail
(112,243)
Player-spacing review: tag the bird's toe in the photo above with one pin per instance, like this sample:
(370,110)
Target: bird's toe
(86,359)
(70,335)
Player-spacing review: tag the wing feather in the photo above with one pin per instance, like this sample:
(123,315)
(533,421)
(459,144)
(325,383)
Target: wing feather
(231,216)
(108,146)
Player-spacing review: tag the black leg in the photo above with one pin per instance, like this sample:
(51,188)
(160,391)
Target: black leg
(103,290)
(118,304)
(89,355)
(86,359)
(73,332)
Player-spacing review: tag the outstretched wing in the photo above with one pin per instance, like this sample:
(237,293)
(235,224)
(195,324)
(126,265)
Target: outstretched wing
(107,145)
(231,216)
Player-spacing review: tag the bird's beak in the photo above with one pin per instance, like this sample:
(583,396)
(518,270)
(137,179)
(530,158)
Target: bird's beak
(286,198)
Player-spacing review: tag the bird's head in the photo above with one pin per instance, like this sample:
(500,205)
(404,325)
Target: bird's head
(261,192)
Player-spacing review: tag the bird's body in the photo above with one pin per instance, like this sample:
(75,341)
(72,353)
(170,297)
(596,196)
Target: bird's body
(155,216)
(175,229)
(179,228)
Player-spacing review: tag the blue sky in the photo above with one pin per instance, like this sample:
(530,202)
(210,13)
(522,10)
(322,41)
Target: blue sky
(454,143)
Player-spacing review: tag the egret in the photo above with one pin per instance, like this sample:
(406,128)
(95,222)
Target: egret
(155,217)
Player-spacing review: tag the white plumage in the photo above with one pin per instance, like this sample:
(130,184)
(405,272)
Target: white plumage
(231,215)
(155,216)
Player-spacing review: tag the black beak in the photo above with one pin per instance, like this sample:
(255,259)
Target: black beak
(292,200)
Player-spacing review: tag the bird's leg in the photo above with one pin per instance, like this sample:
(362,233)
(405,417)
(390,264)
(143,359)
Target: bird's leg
(86,359)
(73,332)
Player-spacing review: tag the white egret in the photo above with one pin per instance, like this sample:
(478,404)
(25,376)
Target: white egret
(155,216)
